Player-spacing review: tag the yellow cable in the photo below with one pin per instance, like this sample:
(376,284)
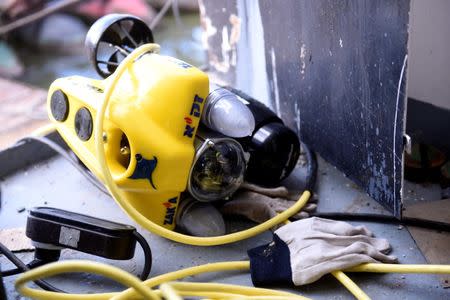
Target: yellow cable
(350,285)
(44,130)
(227,296)
(131,293)
(231,288)
(261,298)
(168,292)
(394,268)
(206,268)
(226,291)
(210,295)
(139,218)
(71,266)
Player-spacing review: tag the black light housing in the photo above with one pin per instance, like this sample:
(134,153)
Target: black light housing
(274,148)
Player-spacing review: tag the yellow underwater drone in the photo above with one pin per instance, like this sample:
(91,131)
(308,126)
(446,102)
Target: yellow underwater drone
(136,130)
(148,132)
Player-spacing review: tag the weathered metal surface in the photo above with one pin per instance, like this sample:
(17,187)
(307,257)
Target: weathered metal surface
(335,71)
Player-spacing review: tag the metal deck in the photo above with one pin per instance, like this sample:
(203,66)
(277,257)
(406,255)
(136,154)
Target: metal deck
(55,183)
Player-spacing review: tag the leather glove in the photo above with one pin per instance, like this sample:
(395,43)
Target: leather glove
(303,251)
(261,204)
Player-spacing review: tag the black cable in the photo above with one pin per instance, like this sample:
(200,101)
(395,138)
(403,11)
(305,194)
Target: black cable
(147,255)
(386,219)
(139,238)
(23,267)
(367,217)
(2,288)
(65,154)
(31,265)
(311,168)
(11,272)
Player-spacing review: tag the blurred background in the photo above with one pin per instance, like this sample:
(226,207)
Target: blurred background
(44,40)
(53,46)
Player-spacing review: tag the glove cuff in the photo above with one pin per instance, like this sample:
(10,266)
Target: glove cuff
(271,263)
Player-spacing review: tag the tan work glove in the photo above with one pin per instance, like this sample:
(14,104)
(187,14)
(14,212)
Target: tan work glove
(261,204)
(305,250)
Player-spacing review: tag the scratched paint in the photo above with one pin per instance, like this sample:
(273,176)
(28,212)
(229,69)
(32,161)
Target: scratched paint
(208,28)
(297,116)
(274,81)
(303,59)
(394,143)
(224,30)
(379,182)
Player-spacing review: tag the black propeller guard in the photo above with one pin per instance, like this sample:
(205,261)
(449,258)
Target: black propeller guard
(119,35)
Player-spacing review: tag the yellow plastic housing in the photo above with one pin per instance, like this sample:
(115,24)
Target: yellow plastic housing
(149,129)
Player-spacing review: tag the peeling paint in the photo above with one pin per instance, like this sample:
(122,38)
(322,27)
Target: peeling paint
(297,116)
(303,59)
(224,66)
(228,45)
(341,44)
(275,81)
(235,36)
(400,80)
(379,181)
(208,29)
(229,40)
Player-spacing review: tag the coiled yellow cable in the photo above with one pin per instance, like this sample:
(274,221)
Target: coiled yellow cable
(394,268)
(52,269)
(206,268)
(170,290)
(351,286)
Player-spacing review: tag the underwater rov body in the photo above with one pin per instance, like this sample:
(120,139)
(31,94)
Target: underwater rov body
(166,129)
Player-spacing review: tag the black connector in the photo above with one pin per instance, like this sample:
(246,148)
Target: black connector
(50,227)
(52,230)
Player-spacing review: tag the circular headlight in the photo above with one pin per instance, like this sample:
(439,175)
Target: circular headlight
(218,169)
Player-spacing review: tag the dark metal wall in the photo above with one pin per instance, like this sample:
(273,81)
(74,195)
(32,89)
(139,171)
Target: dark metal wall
(335,71)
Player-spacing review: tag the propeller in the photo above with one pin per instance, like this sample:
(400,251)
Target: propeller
(112,37)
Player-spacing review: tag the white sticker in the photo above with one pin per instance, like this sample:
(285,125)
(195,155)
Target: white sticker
(69,237)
